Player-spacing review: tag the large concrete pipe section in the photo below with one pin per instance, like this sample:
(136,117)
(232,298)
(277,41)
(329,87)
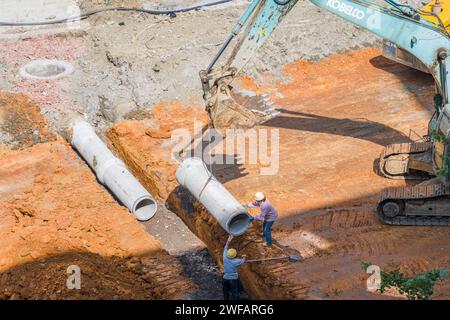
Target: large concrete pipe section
(112,172)
(193,175)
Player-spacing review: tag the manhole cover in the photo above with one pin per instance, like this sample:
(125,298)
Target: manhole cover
(46,69)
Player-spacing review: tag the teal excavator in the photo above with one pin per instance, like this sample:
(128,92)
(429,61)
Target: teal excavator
(415,36)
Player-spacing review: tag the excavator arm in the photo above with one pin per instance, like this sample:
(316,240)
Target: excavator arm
(421,34)
(254,27)
(408,28)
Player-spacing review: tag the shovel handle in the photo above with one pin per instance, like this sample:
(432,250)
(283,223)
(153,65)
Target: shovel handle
(267,259)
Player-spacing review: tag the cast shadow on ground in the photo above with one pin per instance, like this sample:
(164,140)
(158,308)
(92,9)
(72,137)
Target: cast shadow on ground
(356,206)
(362,129)
(414,81)
(228,167)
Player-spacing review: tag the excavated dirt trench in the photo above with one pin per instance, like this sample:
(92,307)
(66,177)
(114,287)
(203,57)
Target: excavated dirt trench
(54,214)
(156,171)
(336,115)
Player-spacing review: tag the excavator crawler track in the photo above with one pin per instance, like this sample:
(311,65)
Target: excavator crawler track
(394,205)
(406,150)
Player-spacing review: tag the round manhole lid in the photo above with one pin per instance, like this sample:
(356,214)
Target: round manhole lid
(46,69)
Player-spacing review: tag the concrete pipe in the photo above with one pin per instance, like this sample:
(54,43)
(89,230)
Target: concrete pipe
(195,177)
(112,172)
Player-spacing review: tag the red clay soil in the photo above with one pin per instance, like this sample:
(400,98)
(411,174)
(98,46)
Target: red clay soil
(336,116)
(21,121)
(54,214)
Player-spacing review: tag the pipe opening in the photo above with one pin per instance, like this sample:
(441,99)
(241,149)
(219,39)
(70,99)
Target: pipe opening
(46,69)
(239,224)
(145,209)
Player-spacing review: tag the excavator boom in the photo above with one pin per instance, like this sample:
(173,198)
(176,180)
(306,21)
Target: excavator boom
(258,22)
(406,28)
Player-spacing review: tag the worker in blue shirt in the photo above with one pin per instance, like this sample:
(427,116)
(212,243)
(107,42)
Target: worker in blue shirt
(230,274)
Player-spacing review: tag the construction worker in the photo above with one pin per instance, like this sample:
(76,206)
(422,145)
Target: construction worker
(230,274)
(268,214)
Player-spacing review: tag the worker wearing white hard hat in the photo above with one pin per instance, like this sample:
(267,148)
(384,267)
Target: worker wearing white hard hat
(259,196)
(268,214)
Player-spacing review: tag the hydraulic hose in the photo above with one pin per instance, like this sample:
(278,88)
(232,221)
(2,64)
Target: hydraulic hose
(93,12)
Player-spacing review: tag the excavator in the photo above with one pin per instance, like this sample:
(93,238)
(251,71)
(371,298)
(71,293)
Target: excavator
(416,36)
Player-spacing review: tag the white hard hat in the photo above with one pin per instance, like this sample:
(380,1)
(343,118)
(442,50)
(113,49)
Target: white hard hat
(259,196)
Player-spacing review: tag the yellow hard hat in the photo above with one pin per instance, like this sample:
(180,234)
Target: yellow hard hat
(231,253)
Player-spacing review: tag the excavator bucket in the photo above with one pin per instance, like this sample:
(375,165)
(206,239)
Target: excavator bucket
(238,109)
(226,109)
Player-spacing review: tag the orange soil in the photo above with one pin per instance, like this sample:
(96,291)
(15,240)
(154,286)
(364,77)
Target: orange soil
(145,154)
(336,116)
(54,214)
(20,118)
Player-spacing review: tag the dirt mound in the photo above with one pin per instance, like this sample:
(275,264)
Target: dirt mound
(21,124)
(54,214)
(101,278)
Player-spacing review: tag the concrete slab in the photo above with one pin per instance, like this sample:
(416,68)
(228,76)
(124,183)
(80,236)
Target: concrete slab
(32,11)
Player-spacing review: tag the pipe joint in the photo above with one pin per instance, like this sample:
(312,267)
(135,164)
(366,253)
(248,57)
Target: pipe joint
(112,172)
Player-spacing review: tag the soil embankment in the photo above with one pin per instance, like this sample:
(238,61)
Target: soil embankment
(54,214)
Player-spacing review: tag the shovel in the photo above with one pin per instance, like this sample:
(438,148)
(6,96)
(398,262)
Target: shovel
(292,258)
